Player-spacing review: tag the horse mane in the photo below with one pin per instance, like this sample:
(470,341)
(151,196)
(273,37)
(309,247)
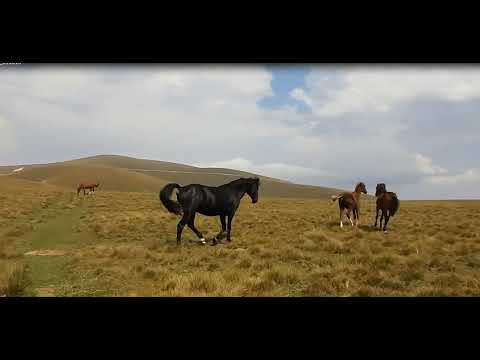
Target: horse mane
(244,181)
(358,185)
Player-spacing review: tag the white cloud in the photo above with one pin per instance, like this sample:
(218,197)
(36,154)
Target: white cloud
(378,89)
(425,165)
(464,185)
(470,176)
(7,135)
(150,109)
(299,94)
(278,170)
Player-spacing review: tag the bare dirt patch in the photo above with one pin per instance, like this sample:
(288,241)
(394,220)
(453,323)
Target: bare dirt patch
(46,253)
(45,292)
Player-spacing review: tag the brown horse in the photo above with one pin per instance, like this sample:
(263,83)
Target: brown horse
(89,187)
(350,202)
(387,202)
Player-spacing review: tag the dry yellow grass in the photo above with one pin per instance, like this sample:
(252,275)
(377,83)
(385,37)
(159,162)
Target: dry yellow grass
(12,279)
(123,244)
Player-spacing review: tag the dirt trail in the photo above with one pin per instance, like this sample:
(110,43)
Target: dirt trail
(45,253)
(45,248)
(45,292)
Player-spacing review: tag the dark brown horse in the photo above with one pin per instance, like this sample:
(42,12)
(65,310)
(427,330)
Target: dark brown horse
(387,202)
(350,202)
(89,187)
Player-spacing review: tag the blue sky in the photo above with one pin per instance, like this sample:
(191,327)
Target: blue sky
(285,79)
(414,128)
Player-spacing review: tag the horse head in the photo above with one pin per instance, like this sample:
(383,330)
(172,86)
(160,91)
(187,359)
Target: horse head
(361,188)
(252,190)
(381,188)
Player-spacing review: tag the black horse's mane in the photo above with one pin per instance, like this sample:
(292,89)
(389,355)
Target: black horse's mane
(244,181)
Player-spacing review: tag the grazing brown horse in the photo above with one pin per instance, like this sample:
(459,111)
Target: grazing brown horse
(387,202)
(350,202)
(89,187)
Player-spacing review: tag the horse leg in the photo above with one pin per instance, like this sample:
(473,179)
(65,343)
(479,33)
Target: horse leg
(348,216)
(221,234)
(191,225)
(341,215)
(381,219)
(229,226)
(387,217)
(356,217)
(184,221)
(376,219)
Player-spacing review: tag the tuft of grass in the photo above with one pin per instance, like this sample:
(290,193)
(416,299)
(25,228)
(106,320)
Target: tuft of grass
(149,274)
(244,263)
(12,279)
(201,283)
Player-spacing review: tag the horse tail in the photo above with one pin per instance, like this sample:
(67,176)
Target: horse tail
(336,197)
(395,204)
(170,205)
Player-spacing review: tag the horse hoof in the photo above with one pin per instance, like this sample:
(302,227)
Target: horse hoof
(217,240)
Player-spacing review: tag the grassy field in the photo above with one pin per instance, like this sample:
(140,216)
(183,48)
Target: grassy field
(53,243)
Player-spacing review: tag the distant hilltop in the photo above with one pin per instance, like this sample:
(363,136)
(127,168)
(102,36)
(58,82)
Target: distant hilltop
(123,173)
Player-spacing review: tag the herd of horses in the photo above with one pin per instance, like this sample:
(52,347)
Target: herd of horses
(349,203)
(223,201)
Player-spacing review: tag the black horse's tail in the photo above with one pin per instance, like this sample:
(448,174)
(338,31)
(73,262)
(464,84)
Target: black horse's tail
(395,204)
(165,194)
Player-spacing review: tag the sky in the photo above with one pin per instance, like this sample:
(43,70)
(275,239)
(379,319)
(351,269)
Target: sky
(415,128)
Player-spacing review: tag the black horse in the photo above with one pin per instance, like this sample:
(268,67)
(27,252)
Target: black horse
(220,201)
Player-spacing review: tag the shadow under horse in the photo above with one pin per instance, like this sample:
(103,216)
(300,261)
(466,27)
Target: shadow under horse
(222,201)
(388,203)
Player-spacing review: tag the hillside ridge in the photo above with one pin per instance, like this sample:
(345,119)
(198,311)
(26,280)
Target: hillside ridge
(125,173)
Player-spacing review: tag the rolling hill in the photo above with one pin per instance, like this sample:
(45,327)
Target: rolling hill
(122,173)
